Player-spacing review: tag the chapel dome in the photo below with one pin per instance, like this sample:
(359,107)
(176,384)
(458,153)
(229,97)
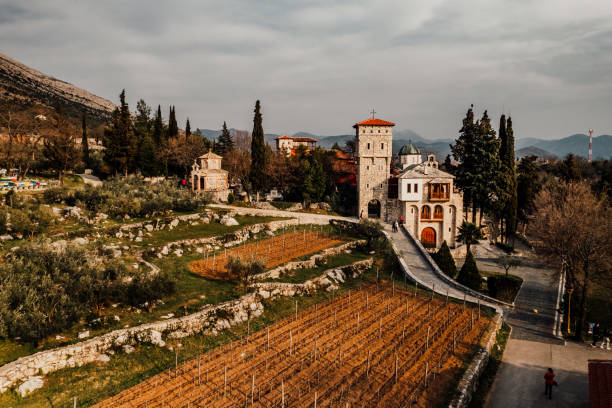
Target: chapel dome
(409,149)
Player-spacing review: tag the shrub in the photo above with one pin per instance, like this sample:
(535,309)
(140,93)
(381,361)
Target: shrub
(43,291)
(372,232)
(469,274)
(3,220)
(244,270)
(231,198)
(56,195)
(445,260)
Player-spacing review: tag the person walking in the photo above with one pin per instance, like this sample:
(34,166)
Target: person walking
(605,339)
(596,334)
(549,380)
(395,228)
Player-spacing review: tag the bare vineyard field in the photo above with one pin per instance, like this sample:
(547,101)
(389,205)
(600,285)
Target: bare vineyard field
(273,251)
(376,347)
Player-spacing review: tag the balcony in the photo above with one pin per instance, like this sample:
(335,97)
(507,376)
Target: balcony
(439,192)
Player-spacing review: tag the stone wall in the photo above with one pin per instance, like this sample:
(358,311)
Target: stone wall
(96,349)
(328,280)
(471,378)
(309,263)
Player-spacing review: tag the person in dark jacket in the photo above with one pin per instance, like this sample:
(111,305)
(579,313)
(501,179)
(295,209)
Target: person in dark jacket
(549,380)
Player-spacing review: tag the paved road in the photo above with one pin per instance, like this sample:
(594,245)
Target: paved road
(532,348)
(422,270)
(306,218)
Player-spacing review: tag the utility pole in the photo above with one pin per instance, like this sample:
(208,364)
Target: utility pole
(590,145)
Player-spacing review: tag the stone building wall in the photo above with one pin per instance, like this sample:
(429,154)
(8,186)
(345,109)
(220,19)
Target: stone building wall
(374,144)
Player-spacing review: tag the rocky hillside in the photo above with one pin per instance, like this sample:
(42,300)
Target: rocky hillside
(25,86)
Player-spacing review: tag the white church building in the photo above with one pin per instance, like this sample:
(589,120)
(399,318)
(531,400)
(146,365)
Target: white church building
(423,197)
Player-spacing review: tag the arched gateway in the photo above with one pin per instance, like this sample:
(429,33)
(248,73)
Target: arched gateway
(428,237)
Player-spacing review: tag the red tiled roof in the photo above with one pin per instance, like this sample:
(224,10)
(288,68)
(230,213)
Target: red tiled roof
(304,139)
(284,137)
(600,383)
(374,122)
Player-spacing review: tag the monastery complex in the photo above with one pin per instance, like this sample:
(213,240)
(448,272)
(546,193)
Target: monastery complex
(422,196)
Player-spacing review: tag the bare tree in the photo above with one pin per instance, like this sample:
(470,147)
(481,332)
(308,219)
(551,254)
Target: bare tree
(238,163)
(572,230)
(508,262)
(181,151)
(61,144)
(22,136)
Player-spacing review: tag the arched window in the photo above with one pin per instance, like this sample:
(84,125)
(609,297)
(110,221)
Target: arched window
(425,213)
(438,212)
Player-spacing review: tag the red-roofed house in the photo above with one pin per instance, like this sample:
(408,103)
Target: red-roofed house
(288,144)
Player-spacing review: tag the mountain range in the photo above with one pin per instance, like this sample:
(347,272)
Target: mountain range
(544,149)
(25,86)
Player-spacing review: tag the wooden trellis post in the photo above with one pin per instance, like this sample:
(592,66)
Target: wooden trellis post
(427,340)
(454,340)
(368,366)
(224,378)
(396,368)
(290,343)
(268,335)
(252,388)
(282,394)
(426,370)
(74,402)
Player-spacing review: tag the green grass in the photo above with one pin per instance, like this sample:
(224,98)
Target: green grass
(301,275)
(12,350)
(488,375)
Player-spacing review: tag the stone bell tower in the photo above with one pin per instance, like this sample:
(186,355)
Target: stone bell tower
(374,143)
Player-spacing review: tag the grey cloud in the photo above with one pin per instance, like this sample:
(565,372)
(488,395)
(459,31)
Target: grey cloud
(321,65)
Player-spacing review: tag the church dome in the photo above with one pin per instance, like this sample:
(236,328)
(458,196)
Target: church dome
(409,149)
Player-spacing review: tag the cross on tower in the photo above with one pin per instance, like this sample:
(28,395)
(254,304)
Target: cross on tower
(373,113)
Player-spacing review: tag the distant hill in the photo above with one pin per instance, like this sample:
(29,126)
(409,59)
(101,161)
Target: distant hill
(25,86)
(535,151)
(577,144)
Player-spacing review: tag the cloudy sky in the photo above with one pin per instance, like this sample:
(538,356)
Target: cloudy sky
(321,65)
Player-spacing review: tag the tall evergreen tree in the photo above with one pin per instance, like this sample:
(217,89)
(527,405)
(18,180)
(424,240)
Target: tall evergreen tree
(119,143)
(158,127)
(257,175)
(509,169)
(225,144)
(172,123)
(84,142)
(187,129)
(528,187)
(465,153)
(488,166)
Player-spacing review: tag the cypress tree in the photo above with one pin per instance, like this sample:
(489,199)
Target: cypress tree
(158,127)
(84,142)
(445,260)
(172,123)
(509,167)
(469,274)
(187,129)
(528,186)
(226,144)
(257,175)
